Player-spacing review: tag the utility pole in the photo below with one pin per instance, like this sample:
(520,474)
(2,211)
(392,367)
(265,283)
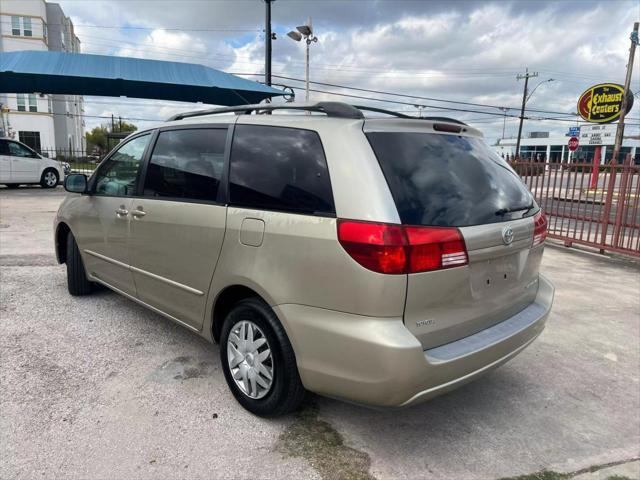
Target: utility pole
(267,42)
(627,83)
(526,77)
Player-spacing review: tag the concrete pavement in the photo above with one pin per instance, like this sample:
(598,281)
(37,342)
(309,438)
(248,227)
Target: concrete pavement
(98,387)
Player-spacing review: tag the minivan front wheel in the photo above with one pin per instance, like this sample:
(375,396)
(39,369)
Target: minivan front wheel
(258,361)
(77,281)
(49,178)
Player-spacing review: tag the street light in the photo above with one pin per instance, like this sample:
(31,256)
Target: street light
(525,98)
(534,88)
(304,31)
(504,121)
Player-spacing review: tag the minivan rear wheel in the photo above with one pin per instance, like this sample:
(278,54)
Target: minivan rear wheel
(77,282)
(258,360)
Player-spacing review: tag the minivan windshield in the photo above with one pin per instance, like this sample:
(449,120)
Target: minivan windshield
(449,180)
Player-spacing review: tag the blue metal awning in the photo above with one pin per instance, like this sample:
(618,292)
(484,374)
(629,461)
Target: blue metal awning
(84,74)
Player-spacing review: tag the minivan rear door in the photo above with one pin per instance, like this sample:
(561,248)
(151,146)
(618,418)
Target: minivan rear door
(25,163)
(444,175)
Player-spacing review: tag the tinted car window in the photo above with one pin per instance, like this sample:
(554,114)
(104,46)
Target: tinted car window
(17,150)
(277,168)
(4,147)
(187,164)
(448,180)
(117,176)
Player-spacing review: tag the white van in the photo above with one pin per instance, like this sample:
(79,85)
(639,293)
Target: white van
(21,165)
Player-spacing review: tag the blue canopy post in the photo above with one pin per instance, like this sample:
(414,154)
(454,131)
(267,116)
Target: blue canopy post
(102,75)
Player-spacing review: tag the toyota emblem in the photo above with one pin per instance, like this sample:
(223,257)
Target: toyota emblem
(507,235)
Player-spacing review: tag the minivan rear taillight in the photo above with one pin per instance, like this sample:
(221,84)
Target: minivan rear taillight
(398,249)
(539,228)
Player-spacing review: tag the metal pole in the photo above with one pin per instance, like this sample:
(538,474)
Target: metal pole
(504,121)
(627,82)
(306,72)
(267,42)
(524,101)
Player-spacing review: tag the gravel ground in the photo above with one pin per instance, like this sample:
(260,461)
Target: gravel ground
(98,387)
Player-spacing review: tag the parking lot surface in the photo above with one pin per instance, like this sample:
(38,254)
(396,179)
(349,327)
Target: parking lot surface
(98,387)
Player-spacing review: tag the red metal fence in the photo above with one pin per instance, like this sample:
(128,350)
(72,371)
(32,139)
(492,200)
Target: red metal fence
(598,208)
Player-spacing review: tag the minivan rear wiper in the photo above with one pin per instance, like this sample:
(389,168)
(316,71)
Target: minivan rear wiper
(526,208)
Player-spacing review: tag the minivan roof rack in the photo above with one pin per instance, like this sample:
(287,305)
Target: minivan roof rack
(402,115)
(331,109)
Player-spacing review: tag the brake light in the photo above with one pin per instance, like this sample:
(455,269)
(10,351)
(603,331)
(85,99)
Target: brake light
(539,228)
(396,249)
(376,246)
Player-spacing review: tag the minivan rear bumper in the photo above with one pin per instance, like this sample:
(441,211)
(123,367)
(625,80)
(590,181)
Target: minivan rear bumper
(377,361)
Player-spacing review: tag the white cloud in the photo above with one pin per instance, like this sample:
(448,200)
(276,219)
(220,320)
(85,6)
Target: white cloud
(467,51)
(164,45)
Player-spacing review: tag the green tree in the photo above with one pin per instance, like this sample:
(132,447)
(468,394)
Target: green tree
(97,137)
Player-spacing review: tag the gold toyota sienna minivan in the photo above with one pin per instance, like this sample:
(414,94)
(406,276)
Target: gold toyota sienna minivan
(378,260)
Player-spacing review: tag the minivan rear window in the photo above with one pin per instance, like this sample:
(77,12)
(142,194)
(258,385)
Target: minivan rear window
(449,180)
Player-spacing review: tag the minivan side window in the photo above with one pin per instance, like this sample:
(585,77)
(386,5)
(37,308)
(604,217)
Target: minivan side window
(278,168)
(117,176)
(17,150)
(187,164)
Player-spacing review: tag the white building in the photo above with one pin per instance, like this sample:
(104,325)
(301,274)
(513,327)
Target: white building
(44,122)
(554,148)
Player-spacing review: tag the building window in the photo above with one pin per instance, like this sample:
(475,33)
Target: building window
(21,103)
(26,27)
(33,103)
(15,25)
(30,139)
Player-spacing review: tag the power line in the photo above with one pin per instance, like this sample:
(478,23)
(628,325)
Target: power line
(133,27)
(341,69)
(421,97)
(84,115)
(444,109)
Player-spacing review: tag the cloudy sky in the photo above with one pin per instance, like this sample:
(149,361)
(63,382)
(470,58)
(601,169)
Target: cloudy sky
(468,51)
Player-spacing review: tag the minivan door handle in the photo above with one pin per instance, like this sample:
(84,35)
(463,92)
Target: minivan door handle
(121,212)
(138,213)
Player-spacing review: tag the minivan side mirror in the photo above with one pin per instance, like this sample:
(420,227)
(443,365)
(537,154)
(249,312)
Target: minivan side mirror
(76,183)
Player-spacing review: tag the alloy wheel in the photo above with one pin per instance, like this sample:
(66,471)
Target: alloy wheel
(50,179)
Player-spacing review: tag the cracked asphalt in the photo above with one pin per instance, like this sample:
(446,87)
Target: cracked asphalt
(99,388)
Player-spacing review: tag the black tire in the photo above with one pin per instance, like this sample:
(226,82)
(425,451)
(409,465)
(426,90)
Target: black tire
(12,185)
(43,179)
(77,282)
(286,392)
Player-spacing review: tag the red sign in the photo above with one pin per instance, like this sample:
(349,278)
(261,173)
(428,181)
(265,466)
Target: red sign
(573,144)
